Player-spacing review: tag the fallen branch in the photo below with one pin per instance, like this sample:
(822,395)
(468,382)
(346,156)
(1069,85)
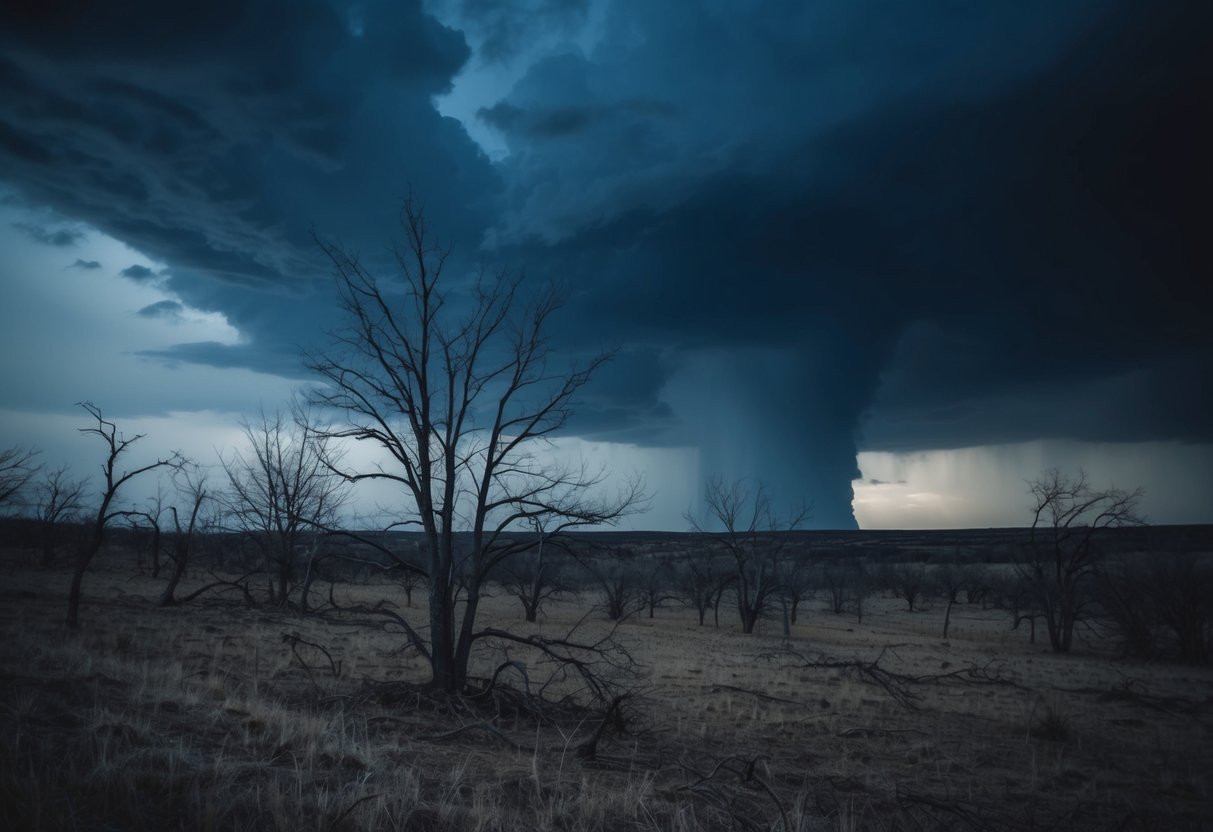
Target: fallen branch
(294,640)
(475,726)
(898,686)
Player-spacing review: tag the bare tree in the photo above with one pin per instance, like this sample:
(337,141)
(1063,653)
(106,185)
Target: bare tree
(116,445)
(907,581)
(701,579)
(950,579)
(282,491)
(796,583)
(18,466)
(152,516)
(192,490)
(656,584)
(619,579)
(534,577)
(58,499)
(751,537)
(1160,605)
(1068,519)
(459,393)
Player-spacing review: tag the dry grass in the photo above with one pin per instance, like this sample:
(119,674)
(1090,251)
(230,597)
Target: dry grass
(203,718)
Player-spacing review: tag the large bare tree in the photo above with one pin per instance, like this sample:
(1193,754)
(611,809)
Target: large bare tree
(459,390)
(116,446)
(283,493)
(1069,518)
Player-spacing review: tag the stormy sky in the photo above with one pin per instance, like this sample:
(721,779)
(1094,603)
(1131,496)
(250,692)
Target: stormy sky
(893,258)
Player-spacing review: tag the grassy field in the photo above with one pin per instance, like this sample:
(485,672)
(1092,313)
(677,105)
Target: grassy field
(210,716)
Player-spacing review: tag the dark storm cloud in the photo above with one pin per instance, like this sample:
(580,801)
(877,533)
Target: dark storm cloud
(943,225)
(505,26)
(58,237)
(88,265)
(815,227)
(169,310)
(558,122)
(139,274)
(237,356)
(215,137)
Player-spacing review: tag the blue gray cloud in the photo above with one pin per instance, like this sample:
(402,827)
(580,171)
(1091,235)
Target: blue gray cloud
(57,237)
(169,310)
(139,274)
(815,228)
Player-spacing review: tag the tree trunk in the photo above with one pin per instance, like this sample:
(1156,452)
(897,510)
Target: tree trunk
(88,550)
(155,552)
(48,545)
(167,599)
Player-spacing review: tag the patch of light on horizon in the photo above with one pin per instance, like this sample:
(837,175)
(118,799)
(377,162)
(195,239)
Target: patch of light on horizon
(987,486)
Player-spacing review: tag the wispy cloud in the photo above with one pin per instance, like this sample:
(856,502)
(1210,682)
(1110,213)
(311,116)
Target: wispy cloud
(139,274)
(169,310)
(58,237)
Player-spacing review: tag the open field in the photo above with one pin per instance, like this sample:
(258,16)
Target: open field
(204,716)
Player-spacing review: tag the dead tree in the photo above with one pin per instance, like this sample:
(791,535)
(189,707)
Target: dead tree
(950,579)
(1068,520)
(116,445)
(656,585)
(907,581)
(18,467)
(153,516)
(192,489)
(58,499)
(701,580)
(751,537)
(796,583)
(459,392)
(618,578)
(282,491)
(534,577)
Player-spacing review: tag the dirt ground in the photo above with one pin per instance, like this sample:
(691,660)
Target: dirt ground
(214,715)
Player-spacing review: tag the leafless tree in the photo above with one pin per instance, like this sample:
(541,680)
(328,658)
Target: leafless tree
(796,582)
(950,579)
(282,492)
(192,492)
(412,579)
(752,538)
(460,392)
(1068,520)
(1160,605)
(1182,590)
(151,517)
(619,578)
(701,579)
(18,466)
(116,445)
(847,584)
(58,499)
(907,581)
(656,584)
(534,577)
